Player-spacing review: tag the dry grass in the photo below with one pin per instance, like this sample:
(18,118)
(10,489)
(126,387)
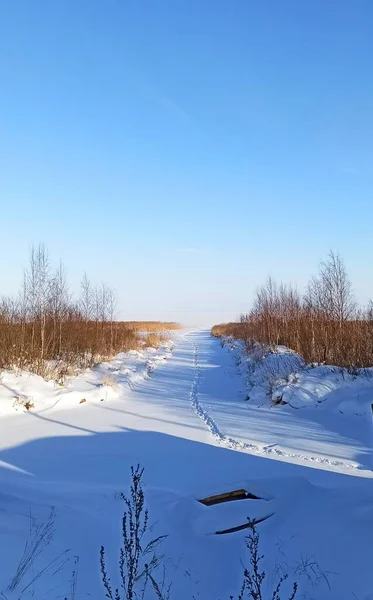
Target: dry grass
(23,402)
(79,344)
(236,330)
(154,340)
(151,326)
(60,369)
(109,381)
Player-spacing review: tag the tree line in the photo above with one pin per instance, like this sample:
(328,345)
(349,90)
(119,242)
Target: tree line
(44,328)
(325,324)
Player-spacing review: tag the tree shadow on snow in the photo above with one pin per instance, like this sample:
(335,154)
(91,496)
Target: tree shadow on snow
(174,463)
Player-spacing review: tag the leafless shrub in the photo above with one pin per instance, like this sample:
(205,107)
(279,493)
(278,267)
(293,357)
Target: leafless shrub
(279,368)
(138,559)
(254,577)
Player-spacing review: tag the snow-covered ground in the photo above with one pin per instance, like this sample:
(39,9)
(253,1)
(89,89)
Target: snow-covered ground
(21,390)
(281,376)
(184,416)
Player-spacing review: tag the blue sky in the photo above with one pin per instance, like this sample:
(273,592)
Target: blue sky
(182,150)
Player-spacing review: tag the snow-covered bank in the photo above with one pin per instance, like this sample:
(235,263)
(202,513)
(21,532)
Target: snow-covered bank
(22,391)
(280,377)
(78,459)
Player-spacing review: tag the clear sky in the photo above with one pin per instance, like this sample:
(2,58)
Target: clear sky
(182,150)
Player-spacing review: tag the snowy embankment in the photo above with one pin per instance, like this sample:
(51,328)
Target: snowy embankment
(21,391)
(281,377)
(189,425)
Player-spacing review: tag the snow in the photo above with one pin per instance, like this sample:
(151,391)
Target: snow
(105,381)
(184,416)
(283,376)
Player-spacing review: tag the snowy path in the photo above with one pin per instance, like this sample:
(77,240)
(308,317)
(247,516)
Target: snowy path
(189,426)
(217,397)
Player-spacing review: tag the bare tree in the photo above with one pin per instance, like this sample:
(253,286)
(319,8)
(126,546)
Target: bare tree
(87,299)
(337,298)
(58,304)
(37,288)
(111,308)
